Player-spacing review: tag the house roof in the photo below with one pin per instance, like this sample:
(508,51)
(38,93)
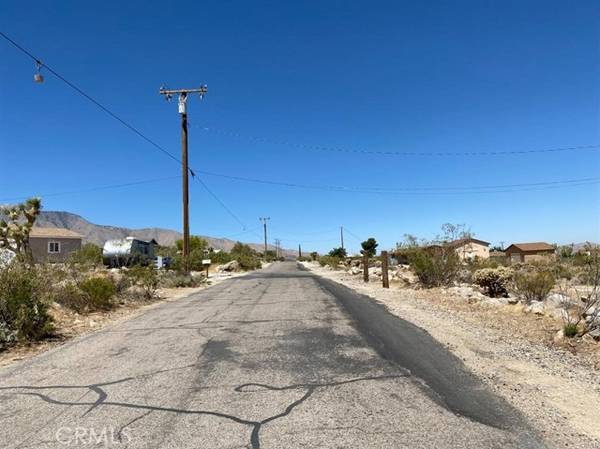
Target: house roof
(534,246)
(53,233)
(461,242)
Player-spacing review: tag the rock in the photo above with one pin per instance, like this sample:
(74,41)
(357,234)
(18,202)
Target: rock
(536,307)
(234,265)
(468,293)
(354,271)
(557,299)
(559,336)
(375,271)
(512,299)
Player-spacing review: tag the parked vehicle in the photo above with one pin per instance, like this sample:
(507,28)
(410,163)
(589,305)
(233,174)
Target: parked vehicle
(128,251)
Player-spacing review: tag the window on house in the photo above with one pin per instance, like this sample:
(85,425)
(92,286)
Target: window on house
(54,247)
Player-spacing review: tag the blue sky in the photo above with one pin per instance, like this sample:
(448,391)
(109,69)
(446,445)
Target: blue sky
(380,76)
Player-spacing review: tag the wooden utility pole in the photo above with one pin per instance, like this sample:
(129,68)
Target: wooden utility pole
(277,243)
(183,93)
(299,251)
(342,236)
(365,267)
(384,269)
(264,222)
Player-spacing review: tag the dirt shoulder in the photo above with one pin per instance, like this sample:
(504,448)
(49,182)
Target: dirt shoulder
(554,384)
(69,324)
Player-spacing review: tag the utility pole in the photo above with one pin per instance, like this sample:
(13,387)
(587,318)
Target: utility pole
(342,236)
(183,93)
(264,222)
(277,243)
(299,251)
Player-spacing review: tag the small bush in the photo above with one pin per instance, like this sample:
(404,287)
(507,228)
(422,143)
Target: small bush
(99,292)
(494,280)
(534,286)
(88,255)
(71,296)
(332,261)
(435,266)
(570,330)
(179,280)
(146,278)
(23,305)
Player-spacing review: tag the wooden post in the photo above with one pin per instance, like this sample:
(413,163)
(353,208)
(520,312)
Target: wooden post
(366,267)
(384,269)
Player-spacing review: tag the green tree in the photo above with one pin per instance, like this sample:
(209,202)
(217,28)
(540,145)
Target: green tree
(246,256)
(338,252)
(369,247)
(197,243)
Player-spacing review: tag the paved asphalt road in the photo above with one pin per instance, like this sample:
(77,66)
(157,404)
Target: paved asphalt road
(277,359)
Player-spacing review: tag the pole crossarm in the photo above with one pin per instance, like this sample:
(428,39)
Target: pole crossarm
(202,90)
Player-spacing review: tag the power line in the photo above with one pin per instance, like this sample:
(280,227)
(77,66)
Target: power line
(114,116)
(93,189)
(393,153)
(90,98)
(353,235)
(221,203)
(420,190)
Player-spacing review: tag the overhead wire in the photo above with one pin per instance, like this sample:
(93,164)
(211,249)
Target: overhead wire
(93,189)
(311,147)
(418,190)
(112,114)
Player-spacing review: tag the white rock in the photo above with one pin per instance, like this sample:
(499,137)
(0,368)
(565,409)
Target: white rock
(557,299)
(230,266)
(536,307)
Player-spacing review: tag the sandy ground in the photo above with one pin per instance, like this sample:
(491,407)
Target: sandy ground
(69,324)
(556,385)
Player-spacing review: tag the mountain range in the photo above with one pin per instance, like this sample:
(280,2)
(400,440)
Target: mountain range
(98,234)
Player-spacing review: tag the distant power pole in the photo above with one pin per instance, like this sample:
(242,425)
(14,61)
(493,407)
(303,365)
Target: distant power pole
(299,251)
(342,236)
(183,93)
(277,243)
(264,221)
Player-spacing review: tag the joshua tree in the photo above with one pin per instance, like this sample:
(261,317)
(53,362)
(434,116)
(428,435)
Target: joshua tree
(17,224)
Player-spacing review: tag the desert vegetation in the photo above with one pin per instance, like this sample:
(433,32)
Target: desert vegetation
(33,294)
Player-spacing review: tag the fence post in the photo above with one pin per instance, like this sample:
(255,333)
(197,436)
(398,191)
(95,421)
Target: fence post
(384,269)
(366,267)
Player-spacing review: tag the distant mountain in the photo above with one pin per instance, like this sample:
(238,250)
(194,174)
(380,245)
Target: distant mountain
(98,234)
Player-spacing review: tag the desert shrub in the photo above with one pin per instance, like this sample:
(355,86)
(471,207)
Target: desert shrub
(246,256)
(332,261)
(314,255)
(88,255)
(434,266)
(146,278)
(570,330)
(71,296)
(495,281)
(23,305)
(177,280)
(99,292)
(219,258)
(534,285)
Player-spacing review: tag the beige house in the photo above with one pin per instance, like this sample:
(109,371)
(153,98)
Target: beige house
(53,244)
(529,252)
(470,248)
